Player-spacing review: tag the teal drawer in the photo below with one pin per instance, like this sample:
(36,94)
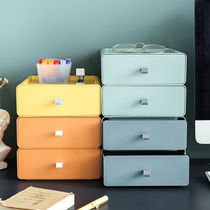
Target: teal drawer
(141,101)
(144,134)
(142,69)
(134,170)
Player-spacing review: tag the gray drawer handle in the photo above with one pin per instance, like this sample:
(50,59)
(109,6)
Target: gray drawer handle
(144,101)
(144,70)
(146,173)
(145,136)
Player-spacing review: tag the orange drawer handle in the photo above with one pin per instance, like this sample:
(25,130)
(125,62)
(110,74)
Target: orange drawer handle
(58,133)
(59,165)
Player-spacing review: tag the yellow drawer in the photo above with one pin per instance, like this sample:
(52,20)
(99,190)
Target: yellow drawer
(35,99)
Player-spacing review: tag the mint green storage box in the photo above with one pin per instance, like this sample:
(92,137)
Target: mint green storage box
(143,101)
(143,68)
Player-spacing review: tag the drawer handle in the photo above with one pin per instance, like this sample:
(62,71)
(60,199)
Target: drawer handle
(144,101)
(144,70)
(145,136)
(146,173)
(58,133)
(58,101)
(59,165)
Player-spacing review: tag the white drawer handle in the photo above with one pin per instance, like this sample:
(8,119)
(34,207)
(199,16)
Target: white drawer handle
(58,101)
(58,133)
(144,101)
(144,70)
(146,173)
(59,165)
(145,136)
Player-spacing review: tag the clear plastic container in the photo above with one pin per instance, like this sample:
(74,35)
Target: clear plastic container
(54,73)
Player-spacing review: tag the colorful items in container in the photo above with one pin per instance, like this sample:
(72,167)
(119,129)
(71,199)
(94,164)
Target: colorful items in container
(54,70)
(55,61)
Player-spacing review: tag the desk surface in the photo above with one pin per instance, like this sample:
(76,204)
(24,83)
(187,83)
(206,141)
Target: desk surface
(195,196)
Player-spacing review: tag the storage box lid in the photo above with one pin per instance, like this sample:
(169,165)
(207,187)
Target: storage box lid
(109,51)
(89,80)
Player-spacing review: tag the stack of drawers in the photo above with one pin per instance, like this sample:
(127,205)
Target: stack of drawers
(144,132)
(59,129)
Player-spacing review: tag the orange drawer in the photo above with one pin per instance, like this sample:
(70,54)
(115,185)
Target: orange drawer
(37,164)
(59,132)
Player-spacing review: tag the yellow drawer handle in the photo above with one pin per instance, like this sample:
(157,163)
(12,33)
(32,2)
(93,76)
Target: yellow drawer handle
(146,173)
(59,165)
(144,101)
(58,101)
(58,133)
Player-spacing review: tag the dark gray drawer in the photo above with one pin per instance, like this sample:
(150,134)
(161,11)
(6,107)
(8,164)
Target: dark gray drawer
(137,170)
(144,134)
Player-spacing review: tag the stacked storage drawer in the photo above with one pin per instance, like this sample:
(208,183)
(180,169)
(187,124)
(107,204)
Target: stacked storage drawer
(59,129)
(144,132)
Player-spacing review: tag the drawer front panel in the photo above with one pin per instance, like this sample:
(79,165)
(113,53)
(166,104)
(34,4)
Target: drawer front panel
(123,69)
(146,170)
(58,100)
(135,134)
(37,164)
(144,101)
(58,132)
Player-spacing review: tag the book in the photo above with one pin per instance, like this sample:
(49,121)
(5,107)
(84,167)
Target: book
(33,198)
(7,208)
